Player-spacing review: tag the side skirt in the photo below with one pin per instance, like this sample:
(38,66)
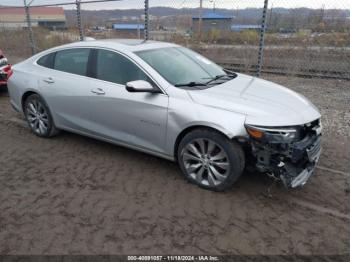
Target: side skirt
(119,143)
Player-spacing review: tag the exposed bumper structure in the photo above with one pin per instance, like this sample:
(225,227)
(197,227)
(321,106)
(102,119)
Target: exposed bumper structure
(297,174)
(292,162)
(300,179)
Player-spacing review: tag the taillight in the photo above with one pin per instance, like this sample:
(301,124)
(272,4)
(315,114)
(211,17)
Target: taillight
(8,71)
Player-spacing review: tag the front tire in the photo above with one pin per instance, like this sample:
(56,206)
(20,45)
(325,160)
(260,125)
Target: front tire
(38,117)
(210,160)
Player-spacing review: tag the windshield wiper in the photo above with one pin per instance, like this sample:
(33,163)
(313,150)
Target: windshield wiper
(230,75)
(191,84)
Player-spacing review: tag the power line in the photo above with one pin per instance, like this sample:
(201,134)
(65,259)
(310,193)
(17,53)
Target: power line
(66,3)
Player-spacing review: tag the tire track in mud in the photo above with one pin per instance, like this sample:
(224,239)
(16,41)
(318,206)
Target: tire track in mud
(318,208)
(333,171)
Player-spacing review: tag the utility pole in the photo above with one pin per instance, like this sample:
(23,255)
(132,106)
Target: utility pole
(271,10)
(200,20)
(138,29)
(322,14)
(146,31)
(262,39)
(29,25)
(79,24)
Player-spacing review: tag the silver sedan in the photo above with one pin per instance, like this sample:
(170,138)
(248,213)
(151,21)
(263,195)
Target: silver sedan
(169,101)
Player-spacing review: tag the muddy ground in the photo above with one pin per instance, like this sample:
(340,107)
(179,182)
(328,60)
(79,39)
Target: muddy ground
(76,195)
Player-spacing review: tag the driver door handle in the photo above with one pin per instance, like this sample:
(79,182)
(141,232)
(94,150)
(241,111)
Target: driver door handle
(98,91)
(49,80)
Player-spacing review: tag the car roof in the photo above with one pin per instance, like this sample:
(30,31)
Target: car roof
(131,45)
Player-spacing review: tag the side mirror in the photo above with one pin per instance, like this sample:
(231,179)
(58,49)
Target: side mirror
(141,86)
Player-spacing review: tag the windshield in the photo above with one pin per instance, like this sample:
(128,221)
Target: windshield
(179,65)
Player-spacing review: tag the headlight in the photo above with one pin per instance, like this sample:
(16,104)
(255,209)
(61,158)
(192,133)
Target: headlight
(271,134)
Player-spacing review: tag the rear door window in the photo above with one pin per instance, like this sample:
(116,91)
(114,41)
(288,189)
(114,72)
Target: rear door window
(74,61)
(47,60)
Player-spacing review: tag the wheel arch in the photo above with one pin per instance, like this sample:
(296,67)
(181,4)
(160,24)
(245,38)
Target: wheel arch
(26,95)
(189,129)
(53,129)
(35,92)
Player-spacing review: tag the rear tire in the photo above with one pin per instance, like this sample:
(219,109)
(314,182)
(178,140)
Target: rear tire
(38,117)
(210,160)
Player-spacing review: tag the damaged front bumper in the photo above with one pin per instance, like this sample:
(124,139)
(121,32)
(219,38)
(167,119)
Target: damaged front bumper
(294,161)
(297,174)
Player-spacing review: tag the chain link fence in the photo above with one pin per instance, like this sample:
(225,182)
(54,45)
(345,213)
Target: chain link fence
(283,37)
(308,42)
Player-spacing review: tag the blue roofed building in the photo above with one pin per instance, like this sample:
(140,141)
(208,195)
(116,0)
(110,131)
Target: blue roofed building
(212,21)
(129,30)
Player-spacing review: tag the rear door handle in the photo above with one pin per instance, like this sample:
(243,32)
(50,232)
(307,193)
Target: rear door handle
(49,80)
(98,91)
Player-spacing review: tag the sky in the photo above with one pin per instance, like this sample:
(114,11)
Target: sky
(229,4)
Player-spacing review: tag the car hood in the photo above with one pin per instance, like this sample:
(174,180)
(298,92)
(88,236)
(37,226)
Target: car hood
(264,103)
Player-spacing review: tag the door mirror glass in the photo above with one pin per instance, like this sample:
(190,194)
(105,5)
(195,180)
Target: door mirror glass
(141,86)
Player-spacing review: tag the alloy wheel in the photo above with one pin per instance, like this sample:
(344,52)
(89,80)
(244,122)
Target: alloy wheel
(206,162)
(37,117)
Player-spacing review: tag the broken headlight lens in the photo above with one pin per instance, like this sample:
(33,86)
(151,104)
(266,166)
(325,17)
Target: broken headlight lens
(273,134)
